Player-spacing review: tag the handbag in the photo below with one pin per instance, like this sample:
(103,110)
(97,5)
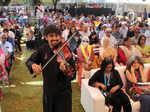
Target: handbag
(136,91)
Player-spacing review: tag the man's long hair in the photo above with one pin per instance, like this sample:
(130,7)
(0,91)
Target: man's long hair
(51,29)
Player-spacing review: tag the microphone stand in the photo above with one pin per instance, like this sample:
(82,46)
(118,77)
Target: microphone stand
(57,52)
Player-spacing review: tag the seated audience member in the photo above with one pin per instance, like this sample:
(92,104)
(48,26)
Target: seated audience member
(116,33)
(123,29)
(75,41)
(107,51)
(131,31)
(144,49)
(85,32)
(147,33)
(148,76)
(7,49)
(102,32)
(134,74)
(108,80)
(71,32)
(85,58)
(113,42)
(3,65)
(65,31)
(94,41)
(93,27)
(135,38)
(126,50)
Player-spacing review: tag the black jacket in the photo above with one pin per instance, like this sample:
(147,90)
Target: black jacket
(114,79)
(54,80)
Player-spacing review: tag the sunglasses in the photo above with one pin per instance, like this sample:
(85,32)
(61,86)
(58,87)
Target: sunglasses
(85,41)
(108,32)
(4,38)
(136,32)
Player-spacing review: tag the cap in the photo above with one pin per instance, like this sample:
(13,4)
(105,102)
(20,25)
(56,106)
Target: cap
(104,25)
(108,29)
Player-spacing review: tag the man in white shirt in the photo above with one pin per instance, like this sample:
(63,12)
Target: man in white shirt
(124,29)
(85,31)
(102,33)
(40,13)
(11,34)
(65,32)
(6,46)
(147,34)
(113,41)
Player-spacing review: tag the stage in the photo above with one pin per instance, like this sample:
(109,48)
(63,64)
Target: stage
(94,11)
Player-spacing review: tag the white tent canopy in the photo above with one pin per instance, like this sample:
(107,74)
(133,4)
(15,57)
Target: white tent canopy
(138,1)
(83,1)
(107,1)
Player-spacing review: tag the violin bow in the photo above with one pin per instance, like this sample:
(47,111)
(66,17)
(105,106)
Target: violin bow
(57,52)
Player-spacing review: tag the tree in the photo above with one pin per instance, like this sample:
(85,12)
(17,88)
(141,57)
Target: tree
(35,2)
(4,2)
(55,3)
(1,2)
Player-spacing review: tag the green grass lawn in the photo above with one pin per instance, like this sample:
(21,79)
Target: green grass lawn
(25,98)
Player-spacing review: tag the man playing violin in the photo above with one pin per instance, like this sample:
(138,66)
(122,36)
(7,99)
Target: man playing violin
(57,90)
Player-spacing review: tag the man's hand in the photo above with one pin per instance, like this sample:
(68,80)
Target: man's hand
(36,69)
(62,66)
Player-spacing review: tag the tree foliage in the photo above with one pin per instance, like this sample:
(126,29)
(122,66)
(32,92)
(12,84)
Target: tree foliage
(55,3)
(35,2)
(4,2)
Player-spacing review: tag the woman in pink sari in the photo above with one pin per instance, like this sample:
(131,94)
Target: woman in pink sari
(3,73)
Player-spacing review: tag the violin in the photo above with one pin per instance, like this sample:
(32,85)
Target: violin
(65,55)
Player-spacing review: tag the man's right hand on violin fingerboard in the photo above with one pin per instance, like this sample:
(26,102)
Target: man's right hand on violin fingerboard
(36,69)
